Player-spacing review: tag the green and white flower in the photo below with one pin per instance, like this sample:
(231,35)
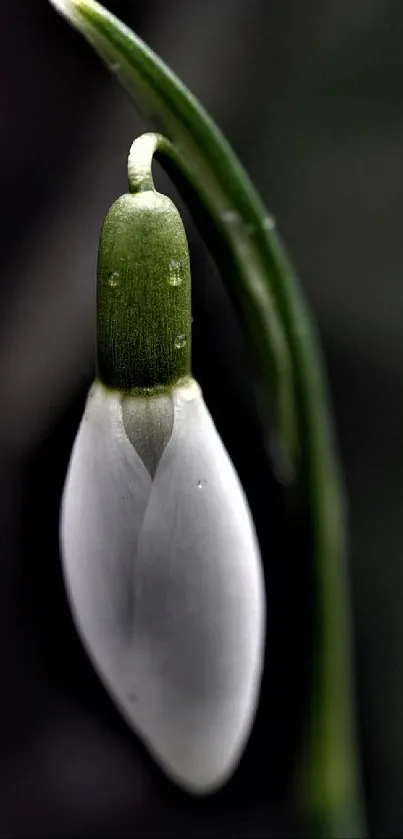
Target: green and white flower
(327,789)
(160,556)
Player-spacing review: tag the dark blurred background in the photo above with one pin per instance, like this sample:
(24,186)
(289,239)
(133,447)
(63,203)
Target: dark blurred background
(310,94)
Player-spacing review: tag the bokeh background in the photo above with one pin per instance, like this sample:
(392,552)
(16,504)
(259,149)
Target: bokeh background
(310,94)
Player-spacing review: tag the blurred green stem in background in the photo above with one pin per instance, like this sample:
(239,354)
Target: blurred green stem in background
(275,318)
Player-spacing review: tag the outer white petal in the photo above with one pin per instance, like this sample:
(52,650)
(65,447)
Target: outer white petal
(184,664)
(105,497)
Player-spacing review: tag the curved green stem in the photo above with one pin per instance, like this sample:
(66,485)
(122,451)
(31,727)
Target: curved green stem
(277,321)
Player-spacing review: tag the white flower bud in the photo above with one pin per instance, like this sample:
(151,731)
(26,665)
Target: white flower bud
(164,578)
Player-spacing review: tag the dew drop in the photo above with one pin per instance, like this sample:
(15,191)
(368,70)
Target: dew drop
(113,280)
(269,223)
(230,217)
(201,483)
(175,276)
(180,342)
(113,66)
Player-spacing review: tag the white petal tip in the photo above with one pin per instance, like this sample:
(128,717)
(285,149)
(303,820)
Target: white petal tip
(195,777)
(199,787)
(203,784)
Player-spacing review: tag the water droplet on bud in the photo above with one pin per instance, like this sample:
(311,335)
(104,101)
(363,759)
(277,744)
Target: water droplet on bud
(180,342)
(175,276)
(113,280)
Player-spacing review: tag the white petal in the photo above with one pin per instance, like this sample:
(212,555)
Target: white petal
(104,501)
(177,629)
(199,607)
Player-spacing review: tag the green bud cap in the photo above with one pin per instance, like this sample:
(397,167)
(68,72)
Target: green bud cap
(143,297)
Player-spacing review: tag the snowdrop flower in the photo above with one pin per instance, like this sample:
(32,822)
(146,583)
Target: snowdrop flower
(160,557)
